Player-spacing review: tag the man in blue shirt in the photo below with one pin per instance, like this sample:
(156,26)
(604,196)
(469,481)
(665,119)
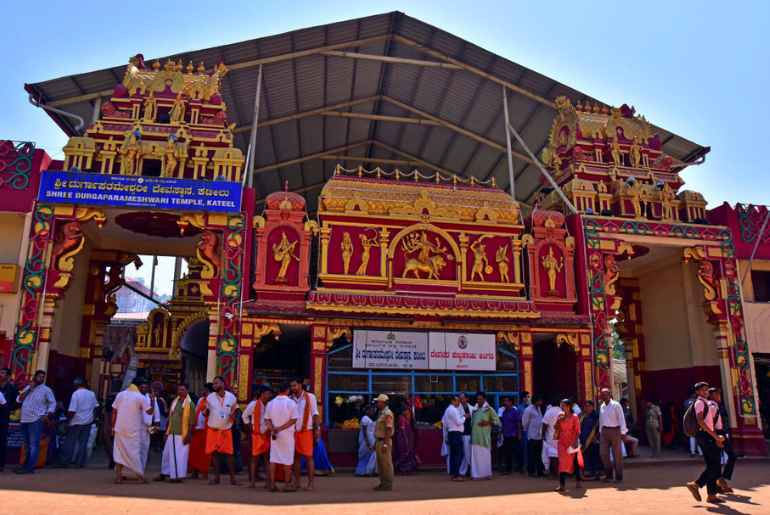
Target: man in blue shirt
(511,422)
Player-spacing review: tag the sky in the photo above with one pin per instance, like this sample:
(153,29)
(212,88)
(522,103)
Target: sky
(699,69)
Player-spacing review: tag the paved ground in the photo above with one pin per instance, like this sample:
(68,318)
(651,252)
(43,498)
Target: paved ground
(647,489)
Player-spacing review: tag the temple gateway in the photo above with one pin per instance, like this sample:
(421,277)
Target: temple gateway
(352,205)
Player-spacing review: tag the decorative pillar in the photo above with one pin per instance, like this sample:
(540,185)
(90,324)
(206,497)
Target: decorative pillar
(525,356)
(318,348)
(585,371)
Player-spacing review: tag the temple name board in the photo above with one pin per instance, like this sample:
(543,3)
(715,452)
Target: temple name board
(139,192)
(429,351)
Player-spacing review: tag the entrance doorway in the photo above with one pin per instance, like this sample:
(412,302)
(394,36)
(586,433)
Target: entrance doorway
(555,374)
(282,358)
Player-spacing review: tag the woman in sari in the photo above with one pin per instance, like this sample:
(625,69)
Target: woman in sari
(406,435)
(367,458)
(568,444)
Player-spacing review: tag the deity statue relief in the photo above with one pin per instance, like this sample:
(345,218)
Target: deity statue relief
(636,154)
(283,252)
(366,245)
(177,110)
(480,261)
(129,151)
(150,108)
(667,199)
(552,267)
(501,258)
(617,157)
(429,258)
(170,162)
(347,252)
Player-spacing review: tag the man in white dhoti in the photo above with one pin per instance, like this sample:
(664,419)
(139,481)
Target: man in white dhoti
(176,451)
(467,409)
(128,412)
(280,418)
(484,417)
(150,419)
(550,445)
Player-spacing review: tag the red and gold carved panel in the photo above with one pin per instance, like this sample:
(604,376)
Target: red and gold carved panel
(551,259)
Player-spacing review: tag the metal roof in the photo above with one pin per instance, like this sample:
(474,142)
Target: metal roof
(345,89)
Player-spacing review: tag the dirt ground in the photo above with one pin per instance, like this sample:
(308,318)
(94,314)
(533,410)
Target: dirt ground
(646,489)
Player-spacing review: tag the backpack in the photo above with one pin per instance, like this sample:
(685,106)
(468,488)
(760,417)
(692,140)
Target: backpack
(690,420)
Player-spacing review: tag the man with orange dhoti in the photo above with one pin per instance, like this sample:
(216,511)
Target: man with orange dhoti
(221,406)
(254,418)
(306,433)
(199,460)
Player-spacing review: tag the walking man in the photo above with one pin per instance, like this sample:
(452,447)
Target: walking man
(176,450)
(81,415)
(383,434)
(306,433)
(9,391)
(37,405)
(221,406)
(454,419)
(710,443)
(612,427)
(532,422)
(128,424)
(281,419)
(723,428)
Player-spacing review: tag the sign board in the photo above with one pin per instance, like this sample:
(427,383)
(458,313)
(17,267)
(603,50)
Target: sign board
(462,351)
(429,351)
(8,278)
(96,189)
(390,349)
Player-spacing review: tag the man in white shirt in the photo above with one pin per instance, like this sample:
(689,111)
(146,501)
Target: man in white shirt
(612,427)
(128,424)
(550,454)
(454,418)
(221,406)
(307,431)
(532,423)
(81,415)
(281,419)
(37,404)
(254,419)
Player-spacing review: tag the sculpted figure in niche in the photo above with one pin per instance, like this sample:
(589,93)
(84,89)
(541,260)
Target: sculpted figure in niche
(177,110)
(501,257)
(347,252)
(480,260)
(283,253)
(366,245)
(552,268)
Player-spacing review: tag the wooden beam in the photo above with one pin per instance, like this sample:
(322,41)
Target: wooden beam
(439,55)
(305,114)
(449,125)
(239,66)
(380,117)
(315,155)
(393,60)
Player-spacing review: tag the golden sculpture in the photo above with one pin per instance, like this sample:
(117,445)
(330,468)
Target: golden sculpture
(429,256)
(347,252)
(636,154)
(150,108)
(667,199)
(169,165)
(129,151)
(501,257)
(177,110)
(366,245)
(617,158)
(480,260)
(283,253)
(552,267)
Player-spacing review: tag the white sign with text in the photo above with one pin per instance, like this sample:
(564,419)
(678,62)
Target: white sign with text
(390,349)
(462,351)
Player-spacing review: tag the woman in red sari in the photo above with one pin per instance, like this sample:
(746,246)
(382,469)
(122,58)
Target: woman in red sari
(568,438)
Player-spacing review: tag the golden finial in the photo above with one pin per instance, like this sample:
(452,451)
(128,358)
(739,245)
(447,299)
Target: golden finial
(438,178)
(398,174)
(360,171)
(494,182)
(201,68)
(190,67)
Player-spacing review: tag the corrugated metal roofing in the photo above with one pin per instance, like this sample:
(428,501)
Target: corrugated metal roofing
(314,80)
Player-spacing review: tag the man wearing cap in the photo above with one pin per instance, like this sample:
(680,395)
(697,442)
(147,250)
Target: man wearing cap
(383,434)
(710,442)
(81,415)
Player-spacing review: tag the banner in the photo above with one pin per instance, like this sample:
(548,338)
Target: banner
(462,351)
(96,189)
(390,349)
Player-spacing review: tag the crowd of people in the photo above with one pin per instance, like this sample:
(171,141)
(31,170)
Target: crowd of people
(282,427)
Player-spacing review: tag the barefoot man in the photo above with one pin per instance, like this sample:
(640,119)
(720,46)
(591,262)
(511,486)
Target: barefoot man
(280,418)
(254,418)
(221,406)
(306,433)
(128,412)
(176,451)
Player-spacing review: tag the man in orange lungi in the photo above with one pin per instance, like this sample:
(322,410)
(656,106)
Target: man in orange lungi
(307,431)
(220,407)
(254,418)
(199,460)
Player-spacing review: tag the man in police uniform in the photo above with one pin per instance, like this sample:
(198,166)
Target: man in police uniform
(383,433)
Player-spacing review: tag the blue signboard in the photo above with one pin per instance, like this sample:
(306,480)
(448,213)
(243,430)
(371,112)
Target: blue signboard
(95,189)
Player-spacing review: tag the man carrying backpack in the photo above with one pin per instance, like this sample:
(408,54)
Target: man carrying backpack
(707,416)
